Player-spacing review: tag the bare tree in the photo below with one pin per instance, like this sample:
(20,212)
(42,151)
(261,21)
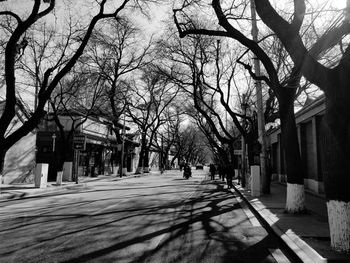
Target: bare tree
(199,67)
(117,52)
(15,48)
(191,145)
(285,90)
(78,97)
(149,101)
(167,136)
(334,81)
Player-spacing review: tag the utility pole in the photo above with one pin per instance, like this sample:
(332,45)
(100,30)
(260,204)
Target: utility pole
(162,156)
(122,157)
(260,106)
(244,150)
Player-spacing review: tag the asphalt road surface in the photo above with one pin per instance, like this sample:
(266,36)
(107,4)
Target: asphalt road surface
(152,218)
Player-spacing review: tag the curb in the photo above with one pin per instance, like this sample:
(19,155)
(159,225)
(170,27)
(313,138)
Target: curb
(296,249)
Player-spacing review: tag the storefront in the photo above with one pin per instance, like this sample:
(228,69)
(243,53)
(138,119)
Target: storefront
(93,149)
(98,158)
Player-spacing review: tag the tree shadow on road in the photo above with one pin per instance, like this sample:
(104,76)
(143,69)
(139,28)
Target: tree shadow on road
(203,231)
(203,225)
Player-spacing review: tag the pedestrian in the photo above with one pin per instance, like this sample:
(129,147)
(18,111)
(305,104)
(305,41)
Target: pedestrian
(212,171)
(221,171)
(187,171)
(230,172)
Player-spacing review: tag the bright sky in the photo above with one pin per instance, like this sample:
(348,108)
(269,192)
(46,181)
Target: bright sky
(157,12)
(334,3)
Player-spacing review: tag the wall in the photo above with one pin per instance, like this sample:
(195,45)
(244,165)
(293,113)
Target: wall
(308,125)
(20,161)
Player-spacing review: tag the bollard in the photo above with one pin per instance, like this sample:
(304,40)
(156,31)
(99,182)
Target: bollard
(255,180)
(40,175)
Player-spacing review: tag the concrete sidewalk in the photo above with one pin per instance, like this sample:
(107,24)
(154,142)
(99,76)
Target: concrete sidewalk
(307,235)
(17,191)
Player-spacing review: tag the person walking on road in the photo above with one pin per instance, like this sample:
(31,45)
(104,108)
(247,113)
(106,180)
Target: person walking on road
(212,171)
(229,175)
(221,171)
(187,171)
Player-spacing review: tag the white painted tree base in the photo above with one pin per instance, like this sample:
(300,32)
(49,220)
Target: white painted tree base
(339,225)
(295,198)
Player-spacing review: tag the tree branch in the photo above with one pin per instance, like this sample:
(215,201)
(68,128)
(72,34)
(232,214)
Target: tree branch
(9,13)
(254,76)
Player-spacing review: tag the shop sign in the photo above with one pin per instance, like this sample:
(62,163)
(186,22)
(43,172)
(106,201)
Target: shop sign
(237,152)
(79,142)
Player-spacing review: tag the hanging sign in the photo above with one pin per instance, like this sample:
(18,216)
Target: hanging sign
(79,142)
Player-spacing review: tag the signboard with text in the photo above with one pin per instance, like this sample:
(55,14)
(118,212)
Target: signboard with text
(237,152)
(79,142)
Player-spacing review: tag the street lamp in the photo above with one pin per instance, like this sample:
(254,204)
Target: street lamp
(123,145)
(244,106)
(143,135)
(53,141)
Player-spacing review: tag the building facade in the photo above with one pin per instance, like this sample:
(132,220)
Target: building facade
(309,121)
(101,152)
(92,150)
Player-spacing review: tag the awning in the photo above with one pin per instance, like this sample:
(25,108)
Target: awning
(92,139)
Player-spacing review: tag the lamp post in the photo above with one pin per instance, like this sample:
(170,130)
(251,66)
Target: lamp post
(122,156)
(53,141)
(143,135)
(260,107)
(244,164)
(161,157)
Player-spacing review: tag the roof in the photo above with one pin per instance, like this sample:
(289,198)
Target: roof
(311,104)
(308,106)
(21,109)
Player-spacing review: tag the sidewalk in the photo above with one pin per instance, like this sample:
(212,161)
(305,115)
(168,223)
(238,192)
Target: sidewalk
(307,235)
(17,191)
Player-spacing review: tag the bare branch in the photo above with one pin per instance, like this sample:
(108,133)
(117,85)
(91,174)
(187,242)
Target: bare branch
(9,13)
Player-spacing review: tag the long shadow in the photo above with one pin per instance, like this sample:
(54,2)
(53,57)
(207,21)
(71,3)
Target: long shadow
(204,206)
(141,212)
(81,190)
(124,244)
(179,229)
(79,204)
(69,206)
(235,249)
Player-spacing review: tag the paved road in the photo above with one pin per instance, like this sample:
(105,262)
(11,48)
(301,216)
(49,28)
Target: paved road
(155,218)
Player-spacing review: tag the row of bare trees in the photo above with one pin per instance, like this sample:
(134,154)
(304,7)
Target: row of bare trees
(50,61)
(98,62)
(100,68)
(295,51)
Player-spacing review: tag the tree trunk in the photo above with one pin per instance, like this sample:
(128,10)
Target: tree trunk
(295,175)
(139,169)
(2,163)
(336,129)
(146,161)
(336,167)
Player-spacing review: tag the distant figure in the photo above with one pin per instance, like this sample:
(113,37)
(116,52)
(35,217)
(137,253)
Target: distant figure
(221,171)
(230,172)
(181,165)
(212,171)
(187,171)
